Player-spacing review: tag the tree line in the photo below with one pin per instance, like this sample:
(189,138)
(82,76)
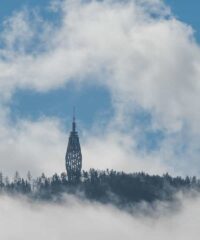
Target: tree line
(103,186)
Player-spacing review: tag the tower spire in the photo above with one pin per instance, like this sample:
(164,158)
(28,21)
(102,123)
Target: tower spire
(74,120)
(73,157)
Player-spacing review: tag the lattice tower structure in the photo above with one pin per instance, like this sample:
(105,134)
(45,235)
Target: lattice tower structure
(73,158)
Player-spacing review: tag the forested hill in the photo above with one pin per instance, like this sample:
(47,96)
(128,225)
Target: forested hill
(107,186)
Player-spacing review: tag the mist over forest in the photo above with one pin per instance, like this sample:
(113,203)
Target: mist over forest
(107,187)
(103,204)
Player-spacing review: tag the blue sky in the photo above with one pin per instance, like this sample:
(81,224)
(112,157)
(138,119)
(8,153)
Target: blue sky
(90,102)
(8,6)
(188,12)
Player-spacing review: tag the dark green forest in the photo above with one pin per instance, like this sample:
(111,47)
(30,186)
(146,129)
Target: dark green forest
(108,186)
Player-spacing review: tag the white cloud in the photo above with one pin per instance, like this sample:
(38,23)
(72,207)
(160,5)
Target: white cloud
(76,219)
(114,150)
(32,146)
(153,61)
(137,49)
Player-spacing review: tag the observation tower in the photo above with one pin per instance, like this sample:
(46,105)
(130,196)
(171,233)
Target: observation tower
(73,158)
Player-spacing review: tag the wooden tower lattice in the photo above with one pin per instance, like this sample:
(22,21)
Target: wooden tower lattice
(73,158)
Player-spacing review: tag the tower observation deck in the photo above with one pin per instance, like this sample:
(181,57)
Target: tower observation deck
(73,158)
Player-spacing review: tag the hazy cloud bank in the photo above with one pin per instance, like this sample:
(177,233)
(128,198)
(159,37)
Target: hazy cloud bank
(77,219)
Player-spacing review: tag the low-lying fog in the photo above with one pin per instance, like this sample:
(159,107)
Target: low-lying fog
(78,219)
